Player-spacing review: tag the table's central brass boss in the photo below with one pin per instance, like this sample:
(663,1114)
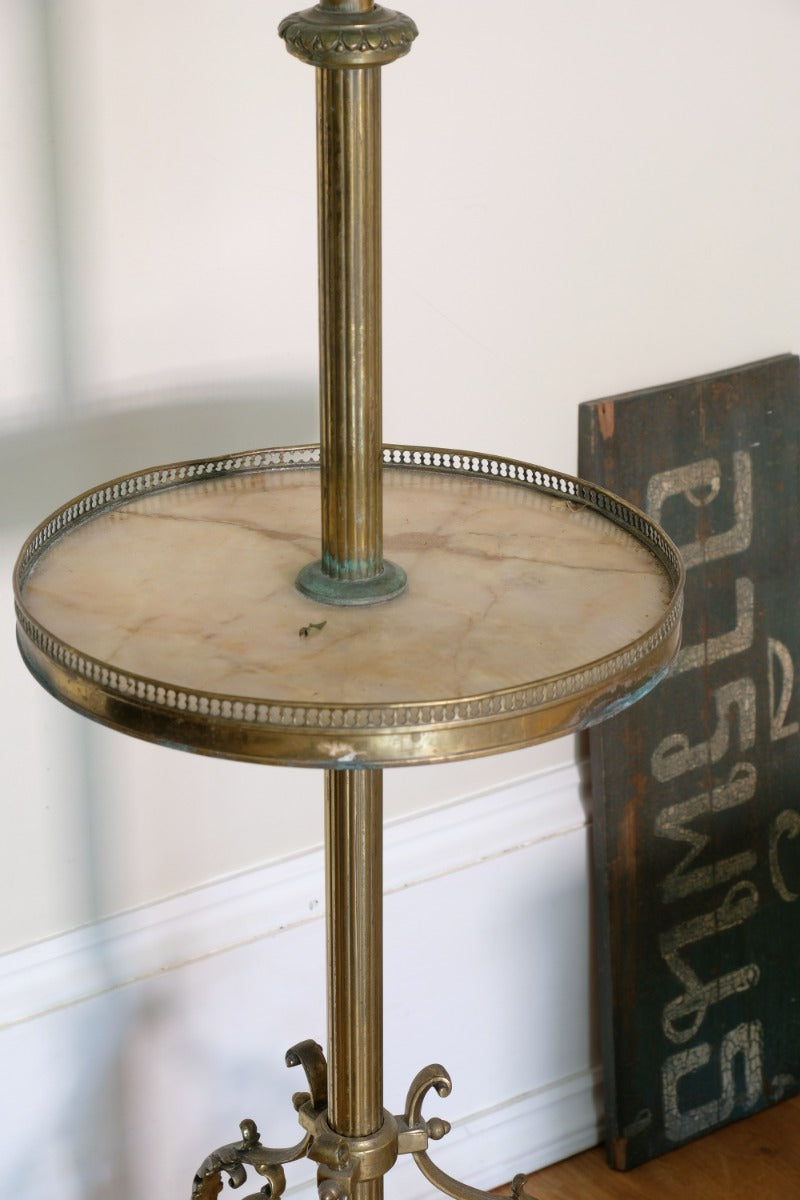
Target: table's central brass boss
(348,41)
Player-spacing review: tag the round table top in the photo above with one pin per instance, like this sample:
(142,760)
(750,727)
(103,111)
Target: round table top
(164,604)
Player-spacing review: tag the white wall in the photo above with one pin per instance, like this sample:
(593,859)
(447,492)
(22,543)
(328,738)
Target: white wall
(580,199)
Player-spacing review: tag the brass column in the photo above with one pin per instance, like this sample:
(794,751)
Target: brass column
(348,41)
(354,890)
(349,158)
(338,38)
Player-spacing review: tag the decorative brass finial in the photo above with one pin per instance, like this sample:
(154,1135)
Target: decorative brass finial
(354,33)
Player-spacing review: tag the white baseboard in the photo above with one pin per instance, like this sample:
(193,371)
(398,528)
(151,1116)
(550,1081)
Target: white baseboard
(273,899)
(524,1135)
(187,1006)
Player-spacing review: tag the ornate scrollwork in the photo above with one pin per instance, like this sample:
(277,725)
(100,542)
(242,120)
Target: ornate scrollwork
(342,1161)
(233,1158)
(267,1162)
(310,1056)
(435,1076)
(339,39)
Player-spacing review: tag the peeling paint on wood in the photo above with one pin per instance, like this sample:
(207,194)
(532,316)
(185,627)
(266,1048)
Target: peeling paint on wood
(697,788)
(605,419)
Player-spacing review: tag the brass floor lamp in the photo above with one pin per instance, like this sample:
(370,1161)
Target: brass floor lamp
(185,604)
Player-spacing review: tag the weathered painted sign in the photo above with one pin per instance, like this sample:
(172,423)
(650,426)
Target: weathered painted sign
(697,788)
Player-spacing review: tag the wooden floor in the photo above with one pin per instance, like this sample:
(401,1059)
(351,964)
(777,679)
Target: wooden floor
(755,1159)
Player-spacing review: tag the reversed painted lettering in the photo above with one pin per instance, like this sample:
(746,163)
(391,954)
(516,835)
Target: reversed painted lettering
(700,484)
(725,644)
(673,822)
(745,1043)
(674,755)
(778,654)
(785,825)
(739,905)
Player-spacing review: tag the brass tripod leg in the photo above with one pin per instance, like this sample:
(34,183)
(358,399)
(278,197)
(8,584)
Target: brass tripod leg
(354,884)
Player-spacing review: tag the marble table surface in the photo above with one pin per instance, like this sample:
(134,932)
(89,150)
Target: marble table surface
(191,586)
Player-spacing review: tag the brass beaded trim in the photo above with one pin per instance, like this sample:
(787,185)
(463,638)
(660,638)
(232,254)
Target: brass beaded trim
(541,479)
(336,39)
(281,715)
(277,715)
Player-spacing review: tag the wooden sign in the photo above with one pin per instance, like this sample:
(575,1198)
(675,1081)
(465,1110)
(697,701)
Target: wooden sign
(697,787)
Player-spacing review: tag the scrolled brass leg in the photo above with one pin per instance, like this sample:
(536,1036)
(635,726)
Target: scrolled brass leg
(415,1132)
(310,1056)
(266,1161)
(235,1157)
(351,1167)
(433,1076)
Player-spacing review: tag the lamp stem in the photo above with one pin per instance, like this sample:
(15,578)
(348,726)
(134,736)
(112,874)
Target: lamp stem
(349,199)
(354,891)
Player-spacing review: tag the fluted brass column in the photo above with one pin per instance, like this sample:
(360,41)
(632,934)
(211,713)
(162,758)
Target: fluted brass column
(349,158)
(354,889)
(348,41)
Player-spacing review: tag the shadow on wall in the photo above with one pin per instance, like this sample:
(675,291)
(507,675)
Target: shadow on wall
(57,813)
(85,1052)
(46,465)
(67,1127)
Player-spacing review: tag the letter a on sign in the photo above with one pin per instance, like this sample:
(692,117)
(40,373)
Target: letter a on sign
(695,788)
